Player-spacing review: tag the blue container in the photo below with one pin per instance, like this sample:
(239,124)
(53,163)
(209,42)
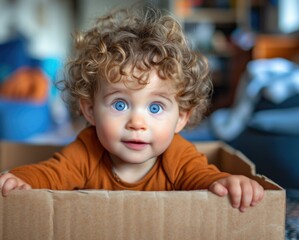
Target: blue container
(20,120)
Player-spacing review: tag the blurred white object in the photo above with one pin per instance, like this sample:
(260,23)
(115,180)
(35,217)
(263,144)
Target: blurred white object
(280,121)
(275,79)
(46,24)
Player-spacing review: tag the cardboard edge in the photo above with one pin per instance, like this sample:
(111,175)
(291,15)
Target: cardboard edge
(240,155)
(262,179)
(220,148)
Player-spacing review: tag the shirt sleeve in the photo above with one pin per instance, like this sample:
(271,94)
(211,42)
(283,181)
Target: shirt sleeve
(66,170)
(189,169)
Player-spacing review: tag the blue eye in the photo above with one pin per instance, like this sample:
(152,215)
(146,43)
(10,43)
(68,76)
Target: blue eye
(120,105)
(155,108)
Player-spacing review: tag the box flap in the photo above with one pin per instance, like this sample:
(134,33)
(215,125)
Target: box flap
(230,160)
(16,154)
(226,158)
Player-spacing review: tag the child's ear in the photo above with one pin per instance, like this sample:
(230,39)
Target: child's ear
(86,107)
(182,121)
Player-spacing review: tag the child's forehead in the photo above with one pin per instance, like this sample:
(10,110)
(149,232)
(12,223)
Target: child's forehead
(127,84)
(151,80)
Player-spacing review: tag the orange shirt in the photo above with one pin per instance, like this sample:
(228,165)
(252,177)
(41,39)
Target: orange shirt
(85,164)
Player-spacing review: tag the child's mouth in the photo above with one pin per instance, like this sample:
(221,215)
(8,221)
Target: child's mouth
(135,145)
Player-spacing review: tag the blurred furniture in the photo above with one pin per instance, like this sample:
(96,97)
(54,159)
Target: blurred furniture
(271,46)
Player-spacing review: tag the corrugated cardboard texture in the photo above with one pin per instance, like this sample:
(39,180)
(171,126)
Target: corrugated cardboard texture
(72,215)
(40,214)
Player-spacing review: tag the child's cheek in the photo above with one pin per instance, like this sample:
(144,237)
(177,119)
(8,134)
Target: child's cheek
(108,128)
(163,135)
(111,129)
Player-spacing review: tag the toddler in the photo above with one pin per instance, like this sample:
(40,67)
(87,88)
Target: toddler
(137,83)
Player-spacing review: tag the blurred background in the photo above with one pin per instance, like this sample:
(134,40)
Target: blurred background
(252,47)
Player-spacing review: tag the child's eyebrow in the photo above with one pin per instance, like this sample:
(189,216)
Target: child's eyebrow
(115,91)
(164,95)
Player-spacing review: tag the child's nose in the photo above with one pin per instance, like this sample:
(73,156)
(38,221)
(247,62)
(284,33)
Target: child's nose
(136,122)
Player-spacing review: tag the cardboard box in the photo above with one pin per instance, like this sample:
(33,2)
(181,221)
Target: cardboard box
(94,214)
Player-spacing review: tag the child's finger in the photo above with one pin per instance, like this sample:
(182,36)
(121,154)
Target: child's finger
(24,187)
(235,194)
(247,196)
(8,185)
(258,193)
(218,189)
(3,177)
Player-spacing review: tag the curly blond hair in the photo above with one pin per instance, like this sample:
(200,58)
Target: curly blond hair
(142,39)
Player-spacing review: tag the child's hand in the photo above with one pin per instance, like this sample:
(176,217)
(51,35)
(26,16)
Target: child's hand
(9,182)
(244,192)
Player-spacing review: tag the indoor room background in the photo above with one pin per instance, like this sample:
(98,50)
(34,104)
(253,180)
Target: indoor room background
(252,48)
